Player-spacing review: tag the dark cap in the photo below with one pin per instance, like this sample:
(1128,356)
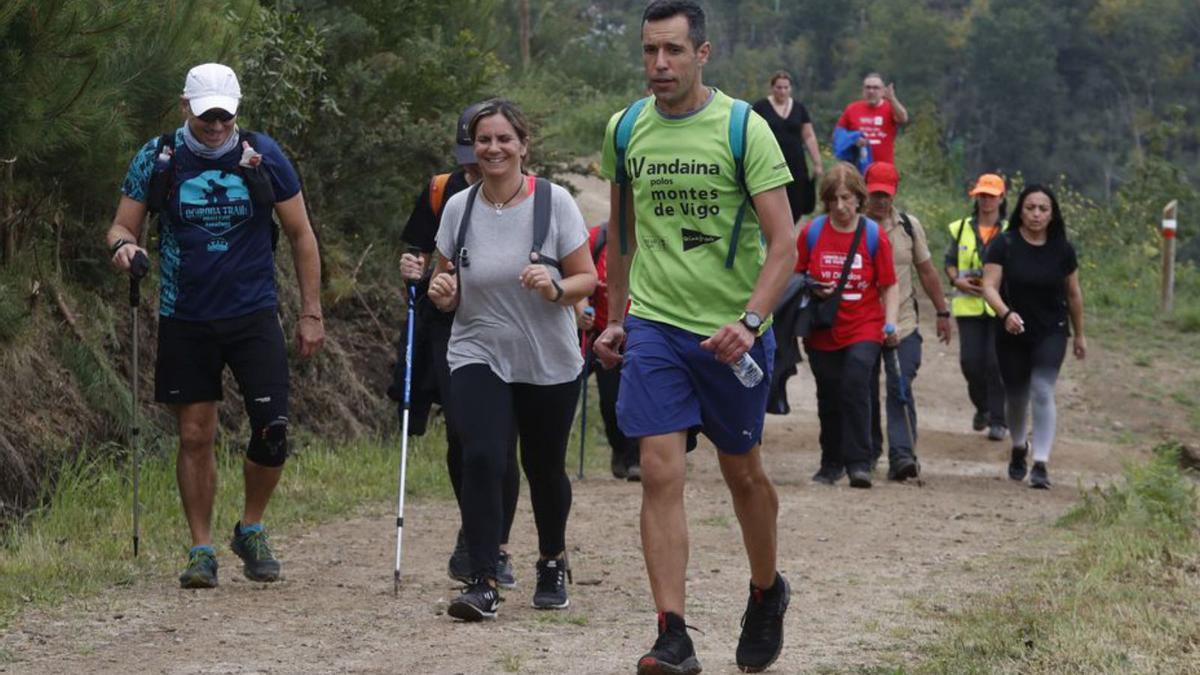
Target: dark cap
(464,148)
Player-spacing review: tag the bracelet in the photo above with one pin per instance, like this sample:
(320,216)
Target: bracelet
(943,315)
(315,317)
(117,246)
(558,291)
(1004,319)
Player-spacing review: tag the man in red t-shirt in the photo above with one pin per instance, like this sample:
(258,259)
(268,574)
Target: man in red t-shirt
(878,115)
(625,458)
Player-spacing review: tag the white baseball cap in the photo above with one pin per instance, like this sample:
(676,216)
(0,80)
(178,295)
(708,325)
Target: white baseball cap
(212,85)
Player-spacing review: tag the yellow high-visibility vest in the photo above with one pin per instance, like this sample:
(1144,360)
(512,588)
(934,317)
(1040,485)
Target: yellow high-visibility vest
(970,264)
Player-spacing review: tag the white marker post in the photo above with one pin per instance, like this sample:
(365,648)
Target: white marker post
(1170,225)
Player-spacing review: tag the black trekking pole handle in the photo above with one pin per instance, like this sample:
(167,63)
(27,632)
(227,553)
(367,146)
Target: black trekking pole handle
(138,267)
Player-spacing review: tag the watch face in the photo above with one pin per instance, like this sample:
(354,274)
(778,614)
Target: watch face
(752,321)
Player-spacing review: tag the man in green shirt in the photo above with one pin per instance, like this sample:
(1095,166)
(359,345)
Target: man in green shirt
(702,286)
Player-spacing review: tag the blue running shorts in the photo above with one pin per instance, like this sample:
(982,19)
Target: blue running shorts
(669,384)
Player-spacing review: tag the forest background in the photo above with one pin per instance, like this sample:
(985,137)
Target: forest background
(1099,97)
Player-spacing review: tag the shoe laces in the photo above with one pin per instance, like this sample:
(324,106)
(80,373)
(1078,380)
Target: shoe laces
(201,557)
(551,578)
(482,587)
(758,619)
(256,543)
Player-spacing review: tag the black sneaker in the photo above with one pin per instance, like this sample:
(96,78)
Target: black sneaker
(860,478)
(479,600)
(633,474)
(505,577)
(551,591)
(903,468)
(829,475)
(459,567)
(1039,478)
(672,653)
(1016,465)
(979,421)
(997,432)
(258,563)
(201,570)
(617,466)
(762,626)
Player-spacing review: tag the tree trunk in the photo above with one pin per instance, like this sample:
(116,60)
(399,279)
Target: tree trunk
(523,11)
(8,220)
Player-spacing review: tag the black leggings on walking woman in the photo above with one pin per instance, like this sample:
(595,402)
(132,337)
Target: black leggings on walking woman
(542,415)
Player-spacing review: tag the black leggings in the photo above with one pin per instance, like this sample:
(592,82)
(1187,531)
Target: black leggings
(541,416)
(977,358)
(439,336)
(1029,366)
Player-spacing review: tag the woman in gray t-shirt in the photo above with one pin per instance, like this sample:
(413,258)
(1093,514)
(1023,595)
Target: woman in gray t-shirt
(514,355)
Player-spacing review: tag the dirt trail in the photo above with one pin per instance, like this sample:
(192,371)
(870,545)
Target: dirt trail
(871,570)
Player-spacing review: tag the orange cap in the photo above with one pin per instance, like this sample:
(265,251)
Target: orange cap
(988,184)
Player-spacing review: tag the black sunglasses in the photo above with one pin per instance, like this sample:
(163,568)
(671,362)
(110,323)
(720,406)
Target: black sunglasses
(215,115)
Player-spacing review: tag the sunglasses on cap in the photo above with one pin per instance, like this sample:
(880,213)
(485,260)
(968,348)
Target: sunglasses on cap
(215,115)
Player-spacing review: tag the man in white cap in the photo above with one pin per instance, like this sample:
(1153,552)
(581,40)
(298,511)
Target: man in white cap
(216,189)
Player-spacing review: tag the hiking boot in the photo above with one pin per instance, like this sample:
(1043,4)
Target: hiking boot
(617,466)
(478,601)
(860,478)
(505,577)
(201,569)
(762,626)
(250,544)
(997,432)
(979,421)
(904,467)
(828,475)
(672,653)
(551,591)
(1016,465)
(1039,478)
(459,567)
(634,474)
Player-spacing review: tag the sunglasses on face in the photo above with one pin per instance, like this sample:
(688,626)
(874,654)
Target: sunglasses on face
(215,115)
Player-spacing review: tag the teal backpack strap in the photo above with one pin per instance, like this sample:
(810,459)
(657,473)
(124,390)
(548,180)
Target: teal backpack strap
(621,138)
(739,119)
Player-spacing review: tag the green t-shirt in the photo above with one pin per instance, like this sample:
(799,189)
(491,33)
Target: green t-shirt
(685,198)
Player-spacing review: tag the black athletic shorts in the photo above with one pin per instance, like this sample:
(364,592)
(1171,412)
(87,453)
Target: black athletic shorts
(193,354)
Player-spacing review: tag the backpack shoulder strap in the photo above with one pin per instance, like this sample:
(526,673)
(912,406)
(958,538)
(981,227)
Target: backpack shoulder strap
(739,121)
(542,202)
(601,241)
(437,193)
(906,223)
(872,234)
(814,232)
(462,258)
(621,138)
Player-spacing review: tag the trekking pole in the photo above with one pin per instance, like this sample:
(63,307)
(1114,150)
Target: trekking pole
(587,368)
(408,350)
(903,395)
(138,267)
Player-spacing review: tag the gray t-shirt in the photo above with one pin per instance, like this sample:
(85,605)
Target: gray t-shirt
(515,331)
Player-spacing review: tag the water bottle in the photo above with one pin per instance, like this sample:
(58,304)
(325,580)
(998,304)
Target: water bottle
(747,371)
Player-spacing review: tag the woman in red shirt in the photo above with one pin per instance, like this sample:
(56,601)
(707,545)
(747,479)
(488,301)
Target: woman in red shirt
(842,357)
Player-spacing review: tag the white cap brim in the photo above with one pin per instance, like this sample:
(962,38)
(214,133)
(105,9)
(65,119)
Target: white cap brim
(202,104)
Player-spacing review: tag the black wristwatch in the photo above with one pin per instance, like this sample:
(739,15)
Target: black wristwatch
(943,315)
(752,321)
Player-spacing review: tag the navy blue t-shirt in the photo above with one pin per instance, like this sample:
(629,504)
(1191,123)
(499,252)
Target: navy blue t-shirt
(215,253)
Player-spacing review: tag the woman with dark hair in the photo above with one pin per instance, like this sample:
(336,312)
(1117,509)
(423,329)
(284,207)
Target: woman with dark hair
(513,353)
(1031,281)
(843,356)
(793,129)
(977,325)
